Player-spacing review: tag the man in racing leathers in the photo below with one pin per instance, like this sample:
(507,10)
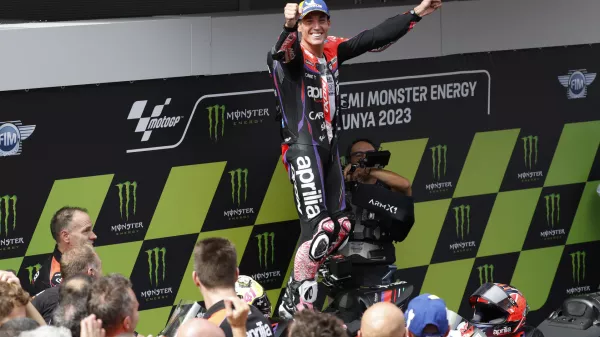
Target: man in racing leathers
(304,66)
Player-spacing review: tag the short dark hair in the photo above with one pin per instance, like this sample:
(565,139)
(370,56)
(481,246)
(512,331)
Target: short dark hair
(215,262)
(308,323)
(73,294)
(77,260)
(109,300)
(366,140)
(15,326)
(62,218)
(11,296)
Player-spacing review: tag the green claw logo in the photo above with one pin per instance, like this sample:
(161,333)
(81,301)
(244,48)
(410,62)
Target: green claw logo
(578,265)
(439,156)
(486,273)
(32,271)
(216,120)
(552,209)
(530,145)
(239,177)
(154,259)
(462,217)
(130,188)
(264,247)
(5,212)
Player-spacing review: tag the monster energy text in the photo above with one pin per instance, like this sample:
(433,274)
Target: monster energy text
(486,273)
(530,158)
(217,114)
(157,272)
(127,208)
(439,165)
(578,267)
(462,221)
(239,194)
(552,206)
(266,256)
(8,221)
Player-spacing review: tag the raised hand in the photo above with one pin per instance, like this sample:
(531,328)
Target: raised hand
(291,13)
(427,7)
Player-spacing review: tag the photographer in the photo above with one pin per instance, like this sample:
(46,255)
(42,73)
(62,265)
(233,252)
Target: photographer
(370,175)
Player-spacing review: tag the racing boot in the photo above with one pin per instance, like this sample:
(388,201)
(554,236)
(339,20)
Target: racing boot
(298,296)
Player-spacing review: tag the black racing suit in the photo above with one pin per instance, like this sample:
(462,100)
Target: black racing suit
(308,100)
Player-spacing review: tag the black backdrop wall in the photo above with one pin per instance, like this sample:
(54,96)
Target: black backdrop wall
(501,148)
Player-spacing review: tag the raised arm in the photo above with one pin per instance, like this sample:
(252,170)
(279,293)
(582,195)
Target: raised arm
(286,50)
(386,33)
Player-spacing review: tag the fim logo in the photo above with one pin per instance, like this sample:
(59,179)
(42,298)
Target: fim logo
(578,264)
(530,156)
(266,257)
(217,117)
(147,124)
(439,162)
(33,272)
(462,218)
(576,82)
(486,274)
(239,184)
(127,207)
(156,274)
(12,134)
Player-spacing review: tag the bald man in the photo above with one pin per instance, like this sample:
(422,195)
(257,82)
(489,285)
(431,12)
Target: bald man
(199,327)
(383,319)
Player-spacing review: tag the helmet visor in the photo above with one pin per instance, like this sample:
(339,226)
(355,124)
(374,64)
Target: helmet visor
(495,295)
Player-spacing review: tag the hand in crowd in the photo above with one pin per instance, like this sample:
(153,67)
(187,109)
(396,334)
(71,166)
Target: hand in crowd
(236,312)
(9,277)
(359,173)
(92,327)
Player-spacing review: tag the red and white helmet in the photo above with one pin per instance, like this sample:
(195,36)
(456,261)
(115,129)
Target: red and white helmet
(499,310)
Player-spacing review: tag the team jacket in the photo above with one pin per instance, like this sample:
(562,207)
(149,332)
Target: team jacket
(49,274)
(257,324)
(307,89)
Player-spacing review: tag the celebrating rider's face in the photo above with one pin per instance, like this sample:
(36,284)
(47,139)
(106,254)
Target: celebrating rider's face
(314,27)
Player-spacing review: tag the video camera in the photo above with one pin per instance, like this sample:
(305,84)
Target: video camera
(579,316)
(376,159)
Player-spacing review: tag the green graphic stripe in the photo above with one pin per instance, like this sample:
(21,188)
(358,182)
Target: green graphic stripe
(448,280)
(278,204)
(152,321)
(574,154)
(585,224)
(486,163)
(87,192)
(406,156)
(185,200)
(418,247)
(119,258)
(238,236)
(535,273)
(509,222)
(13,264)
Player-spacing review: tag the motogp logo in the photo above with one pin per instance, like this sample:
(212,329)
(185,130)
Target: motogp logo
(314,92)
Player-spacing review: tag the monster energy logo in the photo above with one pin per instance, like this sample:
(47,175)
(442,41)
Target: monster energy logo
(32,270)
(216,121)
(486,273)
(552,209)
(153,264)
(6,210)
(130,195)
(239,177)
(530,146)
(462,217)
(263,248)
(438,155)
(578,265)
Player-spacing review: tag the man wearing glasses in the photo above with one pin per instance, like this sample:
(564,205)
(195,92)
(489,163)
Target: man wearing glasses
(358,150)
